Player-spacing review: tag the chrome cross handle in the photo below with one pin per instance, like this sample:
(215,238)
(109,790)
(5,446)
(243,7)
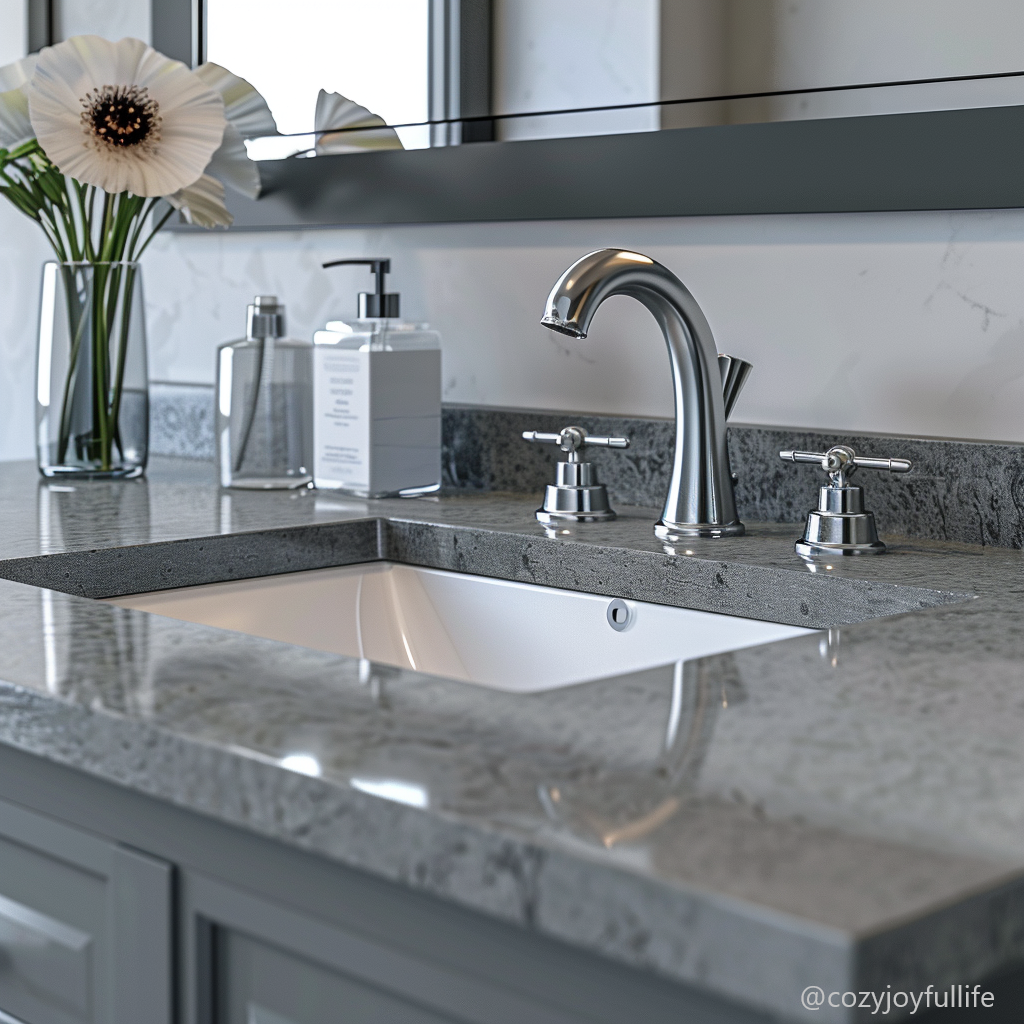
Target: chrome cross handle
(840,525)
(577,496)
(572,439)
(840,462)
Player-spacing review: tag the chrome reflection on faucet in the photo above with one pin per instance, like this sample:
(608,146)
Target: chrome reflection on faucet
(700,500)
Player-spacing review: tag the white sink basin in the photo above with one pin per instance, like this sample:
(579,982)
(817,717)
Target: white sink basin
(508,636)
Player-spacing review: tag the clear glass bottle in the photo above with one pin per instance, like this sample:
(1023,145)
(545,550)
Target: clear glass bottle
(377,400)
(265,404)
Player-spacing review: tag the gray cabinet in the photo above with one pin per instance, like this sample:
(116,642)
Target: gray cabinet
(85,926)
(261,962)
(96,927)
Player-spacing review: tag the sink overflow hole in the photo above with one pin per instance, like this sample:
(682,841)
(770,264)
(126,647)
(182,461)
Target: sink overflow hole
(620,616)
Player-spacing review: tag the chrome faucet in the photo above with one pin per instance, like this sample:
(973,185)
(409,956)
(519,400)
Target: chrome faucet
(700,501)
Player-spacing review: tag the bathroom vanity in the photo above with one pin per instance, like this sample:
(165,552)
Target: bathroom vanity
(201,825)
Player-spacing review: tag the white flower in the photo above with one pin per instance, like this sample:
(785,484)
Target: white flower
(336,111)
(123,117)
(202,203)
(247,112)
(15,126)
(245,109)
(248,117)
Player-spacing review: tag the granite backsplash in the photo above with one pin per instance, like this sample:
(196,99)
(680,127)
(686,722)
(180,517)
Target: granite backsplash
(964,491)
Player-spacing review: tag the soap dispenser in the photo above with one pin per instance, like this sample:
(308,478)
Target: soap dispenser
(264,404)
(377,399)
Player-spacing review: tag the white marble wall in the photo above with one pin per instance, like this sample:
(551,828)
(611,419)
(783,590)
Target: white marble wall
(911,323)
(22,250)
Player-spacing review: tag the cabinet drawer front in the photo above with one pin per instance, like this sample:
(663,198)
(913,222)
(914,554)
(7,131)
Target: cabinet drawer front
(50,916)
(39,954)
(85,926)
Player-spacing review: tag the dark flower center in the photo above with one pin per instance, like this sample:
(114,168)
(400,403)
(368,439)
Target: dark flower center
(121,116)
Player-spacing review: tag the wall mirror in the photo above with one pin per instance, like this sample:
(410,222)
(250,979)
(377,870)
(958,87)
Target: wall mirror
(519,109)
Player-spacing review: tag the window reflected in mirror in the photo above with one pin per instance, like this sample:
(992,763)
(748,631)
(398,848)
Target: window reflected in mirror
(456,71)
(376,54)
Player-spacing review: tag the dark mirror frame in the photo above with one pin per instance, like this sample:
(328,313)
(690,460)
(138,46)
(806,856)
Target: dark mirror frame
(934,160)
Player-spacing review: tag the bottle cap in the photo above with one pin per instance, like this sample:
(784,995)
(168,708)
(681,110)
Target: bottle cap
(377,304)
(265,318)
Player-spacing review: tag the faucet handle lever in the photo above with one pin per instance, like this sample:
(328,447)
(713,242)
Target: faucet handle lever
(841,460)
(572,439)
(734,373)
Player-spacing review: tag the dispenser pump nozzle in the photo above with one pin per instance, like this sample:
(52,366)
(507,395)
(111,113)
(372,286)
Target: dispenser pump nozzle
(378,304)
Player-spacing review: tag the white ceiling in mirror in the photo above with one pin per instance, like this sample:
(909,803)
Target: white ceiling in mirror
(374,53)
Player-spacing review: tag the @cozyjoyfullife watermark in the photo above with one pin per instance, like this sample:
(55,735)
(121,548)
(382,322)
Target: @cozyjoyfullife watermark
(955,996)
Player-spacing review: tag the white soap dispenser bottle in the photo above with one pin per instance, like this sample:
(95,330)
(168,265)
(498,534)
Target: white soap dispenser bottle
(377,399)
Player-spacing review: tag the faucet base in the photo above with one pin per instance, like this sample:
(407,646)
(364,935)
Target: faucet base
(831,534)
(810,550)
(553,518)
(679,531)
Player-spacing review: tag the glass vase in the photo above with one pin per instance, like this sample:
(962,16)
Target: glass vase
(92,386)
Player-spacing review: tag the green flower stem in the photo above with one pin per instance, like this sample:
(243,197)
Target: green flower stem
(99,447)
(105,227)
(160,223)
(122,352)
(139,225)
(28,200)
(77,322)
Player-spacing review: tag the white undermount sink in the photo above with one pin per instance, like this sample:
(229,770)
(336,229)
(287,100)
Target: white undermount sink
(508,636)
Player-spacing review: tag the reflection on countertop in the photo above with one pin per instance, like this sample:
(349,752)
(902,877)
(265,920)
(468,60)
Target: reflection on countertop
(817,804)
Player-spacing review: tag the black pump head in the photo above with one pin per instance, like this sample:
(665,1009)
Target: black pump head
(378,304)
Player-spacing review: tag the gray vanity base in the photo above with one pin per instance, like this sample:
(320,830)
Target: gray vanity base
(265,934)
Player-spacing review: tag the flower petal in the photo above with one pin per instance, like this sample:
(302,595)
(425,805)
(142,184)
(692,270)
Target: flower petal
(191,116)
(231,164)
(13,76)
(202,203)
(15,126)
(336,111)
(245,109)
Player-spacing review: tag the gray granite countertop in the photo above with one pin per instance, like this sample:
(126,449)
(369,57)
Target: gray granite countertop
(846,809)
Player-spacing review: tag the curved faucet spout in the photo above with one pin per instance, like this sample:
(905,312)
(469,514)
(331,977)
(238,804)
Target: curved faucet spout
(700,501)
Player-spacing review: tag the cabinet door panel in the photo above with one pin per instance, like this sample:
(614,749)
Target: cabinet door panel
(264,985)
(250,956)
